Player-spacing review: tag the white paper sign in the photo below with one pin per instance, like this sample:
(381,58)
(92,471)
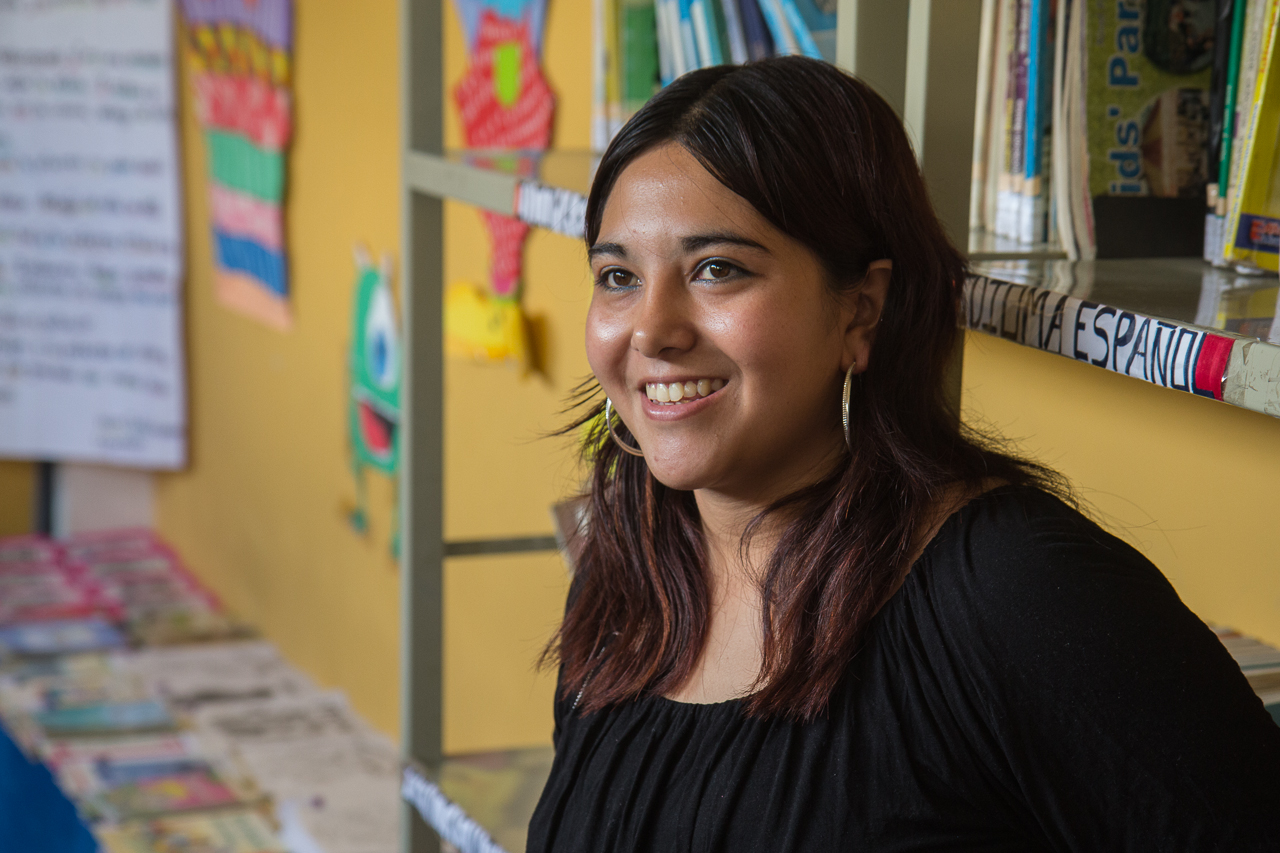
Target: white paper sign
(91,363)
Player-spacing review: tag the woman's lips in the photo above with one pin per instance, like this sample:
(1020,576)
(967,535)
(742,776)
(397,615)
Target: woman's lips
(657,409)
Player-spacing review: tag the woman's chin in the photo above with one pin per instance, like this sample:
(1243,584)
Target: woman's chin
(679,470)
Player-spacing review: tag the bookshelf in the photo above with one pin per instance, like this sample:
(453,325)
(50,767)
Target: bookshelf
(922,55)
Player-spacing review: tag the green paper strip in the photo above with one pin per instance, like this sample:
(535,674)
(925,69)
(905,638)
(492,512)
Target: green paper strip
(237,163)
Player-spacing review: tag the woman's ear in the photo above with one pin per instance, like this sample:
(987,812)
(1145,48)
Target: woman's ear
(865,304)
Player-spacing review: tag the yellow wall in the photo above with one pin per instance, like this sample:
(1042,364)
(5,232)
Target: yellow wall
(1187,481)
(17,490)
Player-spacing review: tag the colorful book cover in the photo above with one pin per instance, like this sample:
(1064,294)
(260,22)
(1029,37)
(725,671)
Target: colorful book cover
(176,792)
(238,831)
(1254,40)
(800,29)
(705,32)
(1031,225)
(784,42)
(735,36)
(639,53)
(688,36)
(1253,219)
(61,636)
(819,17)
(1147,101)
(108,717)
(102,544)
(28,549)
(759,42)
(240,54)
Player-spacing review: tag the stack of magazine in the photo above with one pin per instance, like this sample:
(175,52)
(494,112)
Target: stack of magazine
(642,45)
(165,723)
(1094,124)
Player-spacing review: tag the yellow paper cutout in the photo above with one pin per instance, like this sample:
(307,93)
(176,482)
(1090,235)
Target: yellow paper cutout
(481,327)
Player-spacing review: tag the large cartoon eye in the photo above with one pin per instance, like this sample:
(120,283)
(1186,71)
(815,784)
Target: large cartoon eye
(382,346)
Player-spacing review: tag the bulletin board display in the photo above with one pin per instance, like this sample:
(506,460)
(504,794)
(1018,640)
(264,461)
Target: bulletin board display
(91,255)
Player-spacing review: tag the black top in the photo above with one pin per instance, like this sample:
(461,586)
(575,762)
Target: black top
(1035,684)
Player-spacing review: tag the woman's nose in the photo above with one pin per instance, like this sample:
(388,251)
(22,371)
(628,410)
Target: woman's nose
(663,321)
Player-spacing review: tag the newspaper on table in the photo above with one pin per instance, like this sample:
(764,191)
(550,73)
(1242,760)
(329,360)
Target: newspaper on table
(342,778)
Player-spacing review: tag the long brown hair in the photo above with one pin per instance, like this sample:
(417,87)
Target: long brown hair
(824,159)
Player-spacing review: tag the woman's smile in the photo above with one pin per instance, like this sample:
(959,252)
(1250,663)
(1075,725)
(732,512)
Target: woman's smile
(688,390)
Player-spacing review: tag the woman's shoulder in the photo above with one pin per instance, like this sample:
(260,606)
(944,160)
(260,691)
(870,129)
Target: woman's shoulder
(1027,573)
(1016,536)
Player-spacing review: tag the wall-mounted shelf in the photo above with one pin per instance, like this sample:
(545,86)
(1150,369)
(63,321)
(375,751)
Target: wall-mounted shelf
(1174,322)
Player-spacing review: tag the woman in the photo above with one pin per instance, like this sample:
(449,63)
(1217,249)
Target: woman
(809,613)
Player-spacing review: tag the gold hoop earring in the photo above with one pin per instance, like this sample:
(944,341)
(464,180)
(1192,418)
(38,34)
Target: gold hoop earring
(608,422)
(844,404)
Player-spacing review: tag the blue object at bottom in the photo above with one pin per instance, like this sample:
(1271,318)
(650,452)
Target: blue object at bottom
(35,816)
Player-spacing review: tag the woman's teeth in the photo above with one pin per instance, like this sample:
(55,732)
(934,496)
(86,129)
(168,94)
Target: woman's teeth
(674,392)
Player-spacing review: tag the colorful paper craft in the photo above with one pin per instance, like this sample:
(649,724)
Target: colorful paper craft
(483,328)
(374,370)
(239,52)
(505,104)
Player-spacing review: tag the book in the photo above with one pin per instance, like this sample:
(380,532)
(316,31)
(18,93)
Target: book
(28,549)
(688,38)
(1257,18)
(1147,101)
(982,113)
(155,795)
(123,717)
(819,18)
(1228,38)
(235,831)
(735,36)
(784,42)
(639,46)
(1009,198)
(1032,207)
(1003,27)
(800,29)
(60,636)
(706,32)
(1060,152)
(759,42)
(1253,217)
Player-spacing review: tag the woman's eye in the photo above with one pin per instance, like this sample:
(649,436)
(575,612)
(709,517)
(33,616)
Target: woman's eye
(616,279)
(717,270)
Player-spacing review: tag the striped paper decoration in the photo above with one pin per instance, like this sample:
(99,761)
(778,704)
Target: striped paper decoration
(240,54)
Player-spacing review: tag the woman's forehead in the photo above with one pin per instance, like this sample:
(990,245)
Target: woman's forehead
(666,194)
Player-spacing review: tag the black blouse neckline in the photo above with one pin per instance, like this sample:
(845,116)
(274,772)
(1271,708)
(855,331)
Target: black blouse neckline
(955,518)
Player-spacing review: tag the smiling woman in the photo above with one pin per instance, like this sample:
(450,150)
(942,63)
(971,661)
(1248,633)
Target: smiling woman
(811,611)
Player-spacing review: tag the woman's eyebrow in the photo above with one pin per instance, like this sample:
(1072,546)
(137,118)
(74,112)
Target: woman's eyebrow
(614,249)
(697,242)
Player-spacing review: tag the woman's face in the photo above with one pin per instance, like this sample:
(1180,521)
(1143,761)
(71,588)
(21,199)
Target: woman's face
(715,335)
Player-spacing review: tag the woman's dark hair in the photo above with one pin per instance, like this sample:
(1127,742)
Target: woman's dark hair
(824,159)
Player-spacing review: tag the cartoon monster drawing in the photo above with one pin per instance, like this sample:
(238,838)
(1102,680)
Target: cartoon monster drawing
(374,369)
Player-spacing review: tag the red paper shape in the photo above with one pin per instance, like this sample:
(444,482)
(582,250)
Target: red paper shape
(486,123)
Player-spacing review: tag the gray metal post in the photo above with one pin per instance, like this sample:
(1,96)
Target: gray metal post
(422,436)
